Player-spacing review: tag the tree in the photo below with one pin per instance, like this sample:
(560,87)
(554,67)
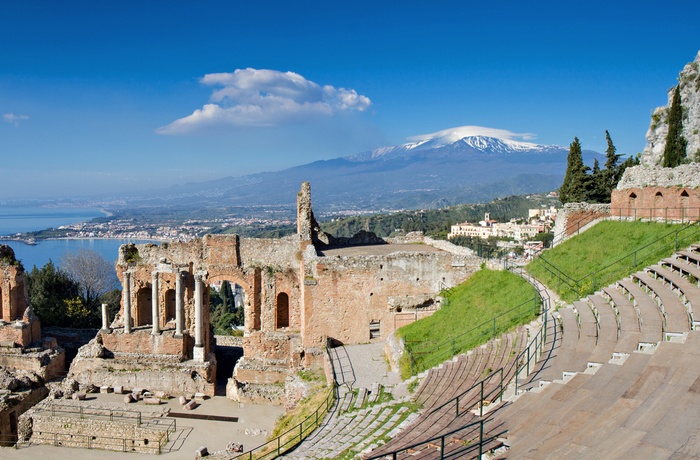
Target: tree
(611,173)
(597,187)
(576,181)
(674,151)
(49,288)
(93,273)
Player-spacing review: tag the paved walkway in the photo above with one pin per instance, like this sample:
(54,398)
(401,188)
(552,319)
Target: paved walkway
(256,420)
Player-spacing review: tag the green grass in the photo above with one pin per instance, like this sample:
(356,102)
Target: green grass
(472,313)
(606,253)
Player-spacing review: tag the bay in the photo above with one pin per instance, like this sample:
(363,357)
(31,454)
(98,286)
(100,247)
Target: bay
(15,219)
(39,254)
(30,219)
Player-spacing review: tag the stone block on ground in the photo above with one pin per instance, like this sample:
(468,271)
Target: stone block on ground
(151,401)
(182,400)
(78,396)
(106,389)
(201,452)
(191,405)
(118,389)
(129,398)
(199,396)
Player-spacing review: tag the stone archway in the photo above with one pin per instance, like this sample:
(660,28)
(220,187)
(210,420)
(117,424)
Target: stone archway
(144,312)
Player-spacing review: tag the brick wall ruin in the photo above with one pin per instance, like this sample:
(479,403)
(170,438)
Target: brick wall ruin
(298,291)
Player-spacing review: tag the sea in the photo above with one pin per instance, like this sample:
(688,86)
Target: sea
(27,219)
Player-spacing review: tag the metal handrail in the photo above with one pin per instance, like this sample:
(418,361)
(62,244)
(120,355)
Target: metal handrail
(295,435)
(440,438)
(576,284)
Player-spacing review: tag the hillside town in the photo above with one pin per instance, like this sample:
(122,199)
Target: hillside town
(538,221)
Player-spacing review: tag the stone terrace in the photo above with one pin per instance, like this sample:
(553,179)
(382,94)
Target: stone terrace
(622,382)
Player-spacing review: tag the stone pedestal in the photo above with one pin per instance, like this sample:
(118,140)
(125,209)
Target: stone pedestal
(198,354)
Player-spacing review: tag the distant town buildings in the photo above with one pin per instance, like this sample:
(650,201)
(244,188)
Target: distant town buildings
(539,220)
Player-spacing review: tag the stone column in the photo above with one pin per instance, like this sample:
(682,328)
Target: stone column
(105,317)
(179,304)
(198,352)
(155,313)
(127,302)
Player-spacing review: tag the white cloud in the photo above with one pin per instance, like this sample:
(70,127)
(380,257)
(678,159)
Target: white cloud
(265,98)
(454,134)
(14,119)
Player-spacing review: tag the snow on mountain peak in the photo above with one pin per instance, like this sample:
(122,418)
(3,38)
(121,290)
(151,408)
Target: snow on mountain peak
(452,135)
(481,138)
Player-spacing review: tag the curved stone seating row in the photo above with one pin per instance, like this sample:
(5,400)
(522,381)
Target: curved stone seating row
(644,408)
(443,384)
(642,405)
(670,305)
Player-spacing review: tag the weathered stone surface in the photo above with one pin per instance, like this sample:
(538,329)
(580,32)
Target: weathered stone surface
(642,176)
(201,452)
(689,80)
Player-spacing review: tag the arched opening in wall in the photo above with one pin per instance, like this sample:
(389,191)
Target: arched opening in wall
(144,306)
(226,307)
(282,310)
(227,320)
(170,306)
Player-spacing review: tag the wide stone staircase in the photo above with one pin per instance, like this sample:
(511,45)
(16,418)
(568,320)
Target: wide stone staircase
(366,418)
(624,381)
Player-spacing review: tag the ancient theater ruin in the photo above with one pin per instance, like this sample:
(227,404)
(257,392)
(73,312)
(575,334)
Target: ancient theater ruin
(27,360)
(299,291)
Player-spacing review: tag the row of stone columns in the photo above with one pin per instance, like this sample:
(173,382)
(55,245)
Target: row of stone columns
(179,306)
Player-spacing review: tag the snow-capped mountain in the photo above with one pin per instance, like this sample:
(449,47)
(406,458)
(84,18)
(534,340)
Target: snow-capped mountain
(458,165)
(464,138)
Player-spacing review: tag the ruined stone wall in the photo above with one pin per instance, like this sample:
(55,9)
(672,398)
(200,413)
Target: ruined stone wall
(144,342)
(149,373)
(13,289)
(18,334)
(47,364)
(349,293)
(93,433)
(12,406)
(280,253)
(657,203)
(575,218)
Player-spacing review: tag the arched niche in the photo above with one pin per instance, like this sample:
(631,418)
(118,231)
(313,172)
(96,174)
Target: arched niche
(282,310)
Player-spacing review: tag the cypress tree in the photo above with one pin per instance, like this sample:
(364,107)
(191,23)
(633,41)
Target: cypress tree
(611,174)
(576,181)
(674,151)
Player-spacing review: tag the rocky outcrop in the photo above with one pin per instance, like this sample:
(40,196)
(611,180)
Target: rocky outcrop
(687,175)
(689,81)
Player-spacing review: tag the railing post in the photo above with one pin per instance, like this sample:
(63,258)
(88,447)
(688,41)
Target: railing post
(442,447)
(457,406)
(278,445)
(481,439)
(481,404)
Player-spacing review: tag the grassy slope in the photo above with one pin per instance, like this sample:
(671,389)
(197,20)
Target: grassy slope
(607,243)
(487,294)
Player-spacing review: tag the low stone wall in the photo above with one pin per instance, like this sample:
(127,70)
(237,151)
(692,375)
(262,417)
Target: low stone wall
(92,433)
(149,373)
(18,333)
(47,364)
(165,344)
(574,218)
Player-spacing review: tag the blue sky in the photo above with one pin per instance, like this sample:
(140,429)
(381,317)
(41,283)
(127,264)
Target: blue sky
(101,97)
